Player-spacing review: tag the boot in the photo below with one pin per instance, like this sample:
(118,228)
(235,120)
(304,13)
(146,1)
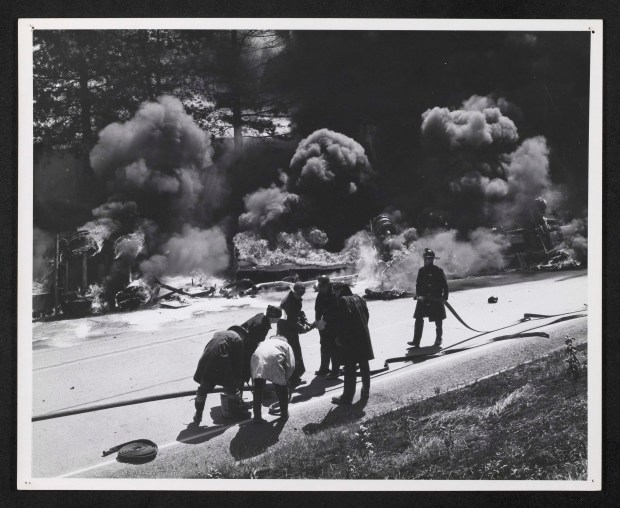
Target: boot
(257,401)
(439,333)
(283,399)
(199,404)
(417,333)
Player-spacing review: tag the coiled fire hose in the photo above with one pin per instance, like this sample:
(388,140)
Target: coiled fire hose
(137,451)
(526,317)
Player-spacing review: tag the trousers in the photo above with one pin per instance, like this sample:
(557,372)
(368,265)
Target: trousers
(201,395)
(350,370)
(300,368)
(257,401)
(419,327)
(328,352)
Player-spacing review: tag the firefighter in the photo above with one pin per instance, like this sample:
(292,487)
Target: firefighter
(326,310)
(273,361)
(431,291)
(294,324)
(221,363)
(253,332)
(353,340)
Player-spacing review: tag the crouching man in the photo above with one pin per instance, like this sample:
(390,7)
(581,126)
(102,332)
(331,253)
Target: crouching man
(272,361)
(221,364)
(253,332)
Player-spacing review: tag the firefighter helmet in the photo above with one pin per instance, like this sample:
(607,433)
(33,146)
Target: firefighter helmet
(429,253)
(322,281)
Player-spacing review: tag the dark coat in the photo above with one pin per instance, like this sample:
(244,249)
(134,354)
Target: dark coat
(292,306)
(221,362)
(326,308)
(353,333)
(431,283)
(257,328)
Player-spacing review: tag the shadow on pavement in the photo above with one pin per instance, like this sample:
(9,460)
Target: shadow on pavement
(316,388)
(253,439)
(338,415)
(199,434)
(218,419)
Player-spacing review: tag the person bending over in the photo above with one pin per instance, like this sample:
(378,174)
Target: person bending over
(221,363)
(272,361)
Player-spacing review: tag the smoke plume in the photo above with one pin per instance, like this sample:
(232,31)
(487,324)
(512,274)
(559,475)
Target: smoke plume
(192,250)
(481,251)
(161,156)
(265,208)
(163,192)
(467,128)
(326,172)
(328,158)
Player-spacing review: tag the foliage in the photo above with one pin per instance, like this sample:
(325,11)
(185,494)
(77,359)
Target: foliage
(517,425)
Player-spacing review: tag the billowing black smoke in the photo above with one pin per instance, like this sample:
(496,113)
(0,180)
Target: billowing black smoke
(163,192)
(320,188)
(476,169)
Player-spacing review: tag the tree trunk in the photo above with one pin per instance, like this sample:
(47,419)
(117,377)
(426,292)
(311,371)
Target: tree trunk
(85,116)
(158,66)
(236,92)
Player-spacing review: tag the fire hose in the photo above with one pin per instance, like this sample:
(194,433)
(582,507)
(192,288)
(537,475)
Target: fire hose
(137,451)
(565,316)
(526,317)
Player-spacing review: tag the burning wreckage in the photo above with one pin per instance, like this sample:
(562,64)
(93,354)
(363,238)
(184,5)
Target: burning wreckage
(91,275)
(539,243)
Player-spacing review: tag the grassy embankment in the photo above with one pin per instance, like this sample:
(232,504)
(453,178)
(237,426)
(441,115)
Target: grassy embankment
(527,423)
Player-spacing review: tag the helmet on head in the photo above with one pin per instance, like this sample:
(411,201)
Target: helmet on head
(298,287)
(428,253)
(322,281)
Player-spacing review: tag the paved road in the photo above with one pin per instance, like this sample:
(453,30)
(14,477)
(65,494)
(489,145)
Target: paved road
(118,357)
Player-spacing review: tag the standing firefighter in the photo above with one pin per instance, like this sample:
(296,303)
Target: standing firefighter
(354,343)
(221,363)
(273,361)
(294,324)
(431,291)
(326,311)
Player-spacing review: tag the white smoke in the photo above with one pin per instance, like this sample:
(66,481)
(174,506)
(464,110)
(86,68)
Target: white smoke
(468,128)
(99,231)
(266,206)
(161,151)
(480,252)
(194,249)
(129,246)
(527,177)
(326,156)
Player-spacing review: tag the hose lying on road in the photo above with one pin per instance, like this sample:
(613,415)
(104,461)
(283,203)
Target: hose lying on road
(137,451)
(526,317)
(88,409)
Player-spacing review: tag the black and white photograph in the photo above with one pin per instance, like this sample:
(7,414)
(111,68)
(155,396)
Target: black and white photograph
(283,251)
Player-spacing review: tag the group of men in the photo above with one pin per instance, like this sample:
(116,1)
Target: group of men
(243,352)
